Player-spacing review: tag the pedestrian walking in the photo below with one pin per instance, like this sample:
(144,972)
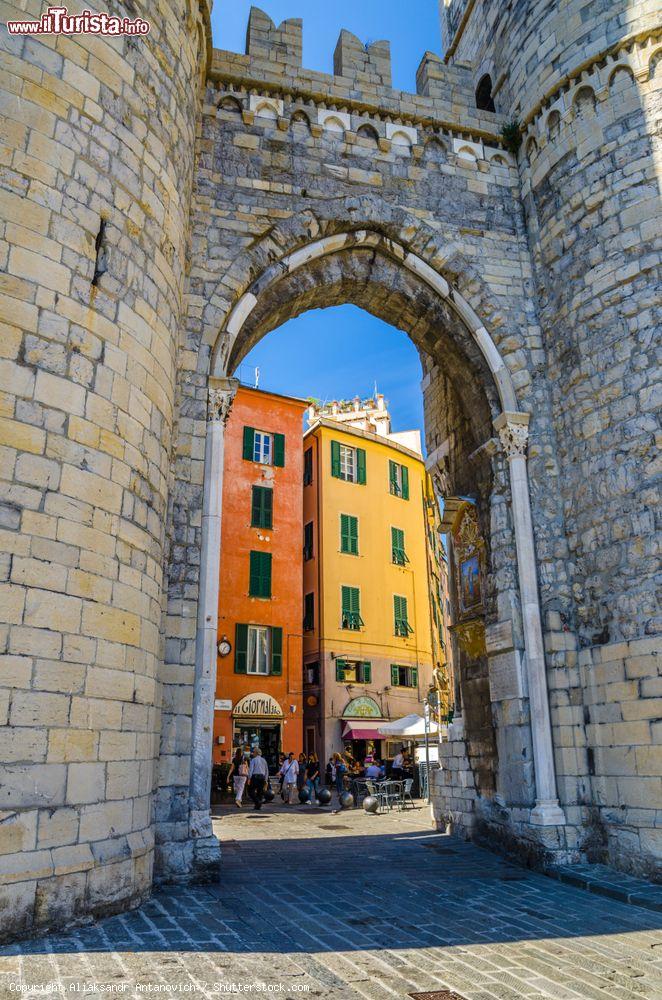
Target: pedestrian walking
(341,770)
(301,777)
(239,774)
(258,776)
(330,773)
(313,777)
(290,774)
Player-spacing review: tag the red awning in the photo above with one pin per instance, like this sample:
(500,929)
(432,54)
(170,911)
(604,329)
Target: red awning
(362,730)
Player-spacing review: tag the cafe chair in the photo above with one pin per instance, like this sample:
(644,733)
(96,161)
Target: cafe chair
(379,794)
(406,794)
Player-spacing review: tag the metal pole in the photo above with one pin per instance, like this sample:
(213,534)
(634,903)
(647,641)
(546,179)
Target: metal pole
(426,710)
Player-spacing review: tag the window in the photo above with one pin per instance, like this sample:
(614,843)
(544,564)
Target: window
(308,540)
(398,554)
(353,672)
(402,626)
(398,479)
(404,676)
(258,649)
(351,616)
(484,99)
(264,447)
(348,463)
(259,584)
(349,534)
(307,466)
(309,613)
(311,673)
(262,507)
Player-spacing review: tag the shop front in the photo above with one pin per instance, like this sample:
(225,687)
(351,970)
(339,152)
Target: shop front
(360,729)
(257,721)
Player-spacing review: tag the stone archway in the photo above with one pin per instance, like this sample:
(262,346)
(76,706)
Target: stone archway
(386,276)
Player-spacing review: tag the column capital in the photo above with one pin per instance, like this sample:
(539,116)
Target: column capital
(513,431)
(221,394)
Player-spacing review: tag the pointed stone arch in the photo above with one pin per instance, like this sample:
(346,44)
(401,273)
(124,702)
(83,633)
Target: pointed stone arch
(300,264)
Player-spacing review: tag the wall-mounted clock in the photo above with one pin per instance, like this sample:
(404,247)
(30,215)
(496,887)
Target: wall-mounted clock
(224,646)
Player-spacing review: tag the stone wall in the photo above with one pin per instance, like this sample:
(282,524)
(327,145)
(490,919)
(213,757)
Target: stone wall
(590,188)
(286,156)
(98,155)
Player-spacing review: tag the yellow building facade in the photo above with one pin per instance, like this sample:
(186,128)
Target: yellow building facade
(368,649)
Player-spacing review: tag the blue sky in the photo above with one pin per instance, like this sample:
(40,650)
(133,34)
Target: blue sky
(411,26)
(337,353)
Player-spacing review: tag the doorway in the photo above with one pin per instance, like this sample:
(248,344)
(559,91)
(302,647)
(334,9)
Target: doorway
(266,736)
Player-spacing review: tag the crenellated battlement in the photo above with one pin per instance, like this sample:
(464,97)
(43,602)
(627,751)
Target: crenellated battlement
(360,84)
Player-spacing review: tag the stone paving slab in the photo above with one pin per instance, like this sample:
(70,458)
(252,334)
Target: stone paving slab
(606,881)
(353,906)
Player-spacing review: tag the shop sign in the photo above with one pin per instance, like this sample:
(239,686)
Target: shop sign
(362,708)
(257,706)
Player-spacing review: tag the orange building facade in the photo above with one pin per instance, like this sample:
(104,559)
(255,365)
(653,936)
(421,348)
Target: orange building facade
(259,672)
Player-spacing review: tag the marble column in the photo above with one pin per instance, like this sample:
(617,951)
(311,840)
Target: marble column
(221,395)
(513,430)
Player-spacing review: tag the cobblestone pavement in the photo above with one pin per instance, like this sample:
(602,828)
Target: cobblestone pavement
(349,905)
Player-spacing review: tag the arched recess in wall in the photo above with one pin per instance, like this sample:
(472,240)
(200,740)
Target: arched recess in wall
(484,98)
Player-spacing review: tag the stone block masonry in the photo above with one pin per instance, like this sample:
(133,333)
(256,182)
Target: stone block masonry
(98,143)
(526,278)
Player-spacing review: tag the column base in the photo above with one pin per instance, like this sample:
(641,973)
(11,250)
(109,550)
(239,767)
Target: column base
(547,813)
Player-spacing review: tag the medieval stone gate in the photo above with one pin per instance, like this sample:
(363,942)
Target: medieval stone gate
(523,278)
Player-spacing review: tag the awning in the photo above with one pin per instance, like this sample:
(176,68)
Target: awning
(362,730)
(410,727)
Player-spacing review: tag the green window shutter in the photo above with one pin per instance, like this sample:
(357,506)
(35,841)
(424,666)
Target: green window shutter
(240,648)
(351,611)
(308,540)
(249,443)
(405,482)
(393,477)
(279,450)
(354,535)
(254,574)
(398,546)
(262,507)
(277,651)
(268,507)
(349,534)
(266,574)
(340,670)
(335,459)
(256,507)
(367,673)
(395,675)
(260,574)
(308,466)
(400,614)
(344,533)
(414,677)
(360,466)
(309,612)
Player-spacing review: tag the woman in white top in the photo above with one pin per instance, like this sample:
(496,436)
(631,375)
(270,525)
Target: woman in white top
(239,772)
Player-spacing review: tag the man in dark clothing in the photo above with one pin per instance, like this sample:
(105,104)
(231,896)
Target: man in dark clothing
(258,775)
